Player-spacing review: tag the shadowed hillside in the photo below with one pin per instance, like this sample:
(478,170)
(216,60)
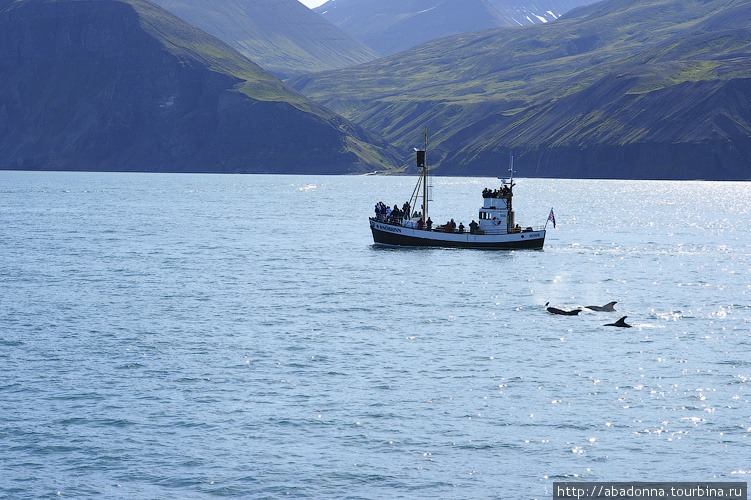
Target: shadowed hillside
(282,36)
(125,85)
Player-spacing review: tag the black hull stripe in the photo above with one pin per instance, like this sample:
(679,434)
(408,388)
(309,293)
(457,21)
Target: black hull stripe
(387,238)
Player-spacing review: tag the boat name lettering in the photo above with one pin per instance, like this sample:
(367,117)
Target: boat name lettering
(388,228)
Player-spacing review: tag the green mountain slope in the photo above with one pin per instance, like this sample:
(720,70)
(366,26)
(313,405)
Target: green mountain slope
(650,88)
(125,85)
(283,36)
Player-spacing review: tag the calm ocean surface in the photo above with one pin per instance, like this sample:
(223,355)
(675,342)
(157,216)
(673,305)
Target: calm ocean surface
(202,336)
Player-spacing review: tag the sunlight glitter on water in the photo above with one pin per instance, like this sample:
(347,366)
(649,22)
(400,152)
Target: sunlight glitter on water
(182,345)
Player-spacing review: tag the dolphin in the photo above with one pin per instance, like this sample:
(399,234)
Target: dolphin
(555,310)
(606,308)
(621,323)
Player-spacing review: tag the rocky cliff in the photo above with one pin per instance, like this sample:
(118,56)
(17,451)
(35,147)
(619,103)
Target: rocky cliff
(124,85)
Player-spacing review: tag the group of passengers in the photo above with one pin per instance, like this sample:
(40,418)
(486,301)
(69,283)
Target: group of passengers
(385,213)
(496,193)
(451,227)
(421,224)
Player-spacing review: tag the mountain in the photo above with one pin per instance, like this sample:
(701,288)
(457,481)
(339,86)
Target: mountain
(391,26)
(124,85)
(282,36)
(620,88)
(525,12)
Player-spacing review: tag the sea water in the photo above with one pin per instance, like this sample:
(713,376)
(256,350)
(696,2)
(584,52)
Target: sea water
(207,336)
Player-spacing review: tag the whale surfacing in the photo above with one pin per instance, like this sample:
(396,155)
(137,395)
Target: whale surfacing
(620,323)
(555,310)
(606,308)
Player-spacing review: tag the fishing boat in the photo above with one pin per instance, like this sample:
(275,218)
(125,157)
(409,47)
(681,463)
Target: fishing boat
(496,227)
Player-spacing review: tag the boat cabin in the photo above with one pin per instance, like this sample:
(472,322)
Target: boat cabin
(496,215)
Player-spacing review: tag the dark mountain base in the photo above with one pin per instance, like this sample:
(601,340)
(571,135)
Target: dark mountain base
(710,161)
(122,85)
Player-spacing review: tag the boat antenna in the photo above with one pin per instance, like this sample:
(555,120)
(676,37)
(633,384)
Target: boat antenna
(511,170)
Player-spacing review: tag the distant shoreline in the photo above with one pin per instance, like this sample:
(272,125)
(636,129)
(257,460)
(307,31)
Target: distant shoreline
(375,173)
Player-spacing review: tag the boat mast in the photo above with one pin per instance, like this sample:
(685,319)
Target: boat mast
(421,180)
(425,180)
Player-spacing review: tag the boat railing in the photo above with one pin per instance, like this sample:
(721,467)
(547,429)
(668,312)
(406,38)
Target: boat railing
(527,229)
(412,223)
(389,219)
